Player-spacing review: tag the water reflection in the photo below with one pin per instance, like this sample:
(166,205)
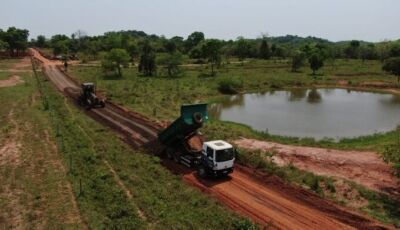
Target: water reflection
(317,113)
(297,94)
(314,96)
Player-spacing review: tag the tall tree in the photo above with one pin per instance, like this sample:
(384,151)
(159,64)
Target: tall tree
(264,51)
(133,51)
(41,41)
(170,46)
(172,61)
(211,50)
(147,64)
(61,47)
(395,50)
(115,60)
(242,48)
(352,51)
(392,65)
(17,40)
(193,40)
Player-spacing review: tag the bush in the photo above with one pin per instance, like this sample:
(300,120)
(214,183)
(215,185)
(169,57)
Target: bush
(245,225)
(230,85)
(392,155)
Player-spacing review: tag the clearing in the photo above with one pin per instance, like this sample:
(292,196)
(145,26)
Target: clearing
(366,168)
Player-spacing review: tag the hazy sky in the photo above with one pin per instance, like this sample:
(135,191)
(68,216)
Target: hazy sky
(371,20)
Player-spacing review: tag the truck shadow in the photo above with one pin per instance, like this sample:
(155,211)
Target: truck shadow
(191,174)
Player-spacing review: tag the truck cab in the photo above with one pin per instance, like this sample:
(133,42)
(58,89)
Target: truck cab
(218,158)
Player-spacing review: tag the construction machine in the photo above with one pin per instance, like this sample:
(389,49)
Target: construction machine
(183,143)
(88,97)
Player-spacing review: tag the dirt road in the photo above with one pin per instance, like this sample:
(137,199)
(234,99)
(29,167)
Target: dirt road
(266,200)
(366,168)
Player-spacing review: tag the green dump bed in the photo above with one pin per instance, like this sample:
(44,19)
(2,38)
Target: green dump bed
(192,118)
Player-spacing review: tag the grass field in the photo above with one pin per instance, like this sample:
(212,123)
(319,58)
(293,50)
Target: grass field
(68,171)
(34,191)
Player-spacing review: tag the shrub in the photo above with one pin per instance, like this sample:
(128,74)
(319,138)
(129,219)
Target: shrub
(230,85)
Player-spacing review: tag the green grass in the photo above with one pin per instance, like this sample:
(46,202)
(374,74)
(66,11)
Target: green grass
(33,191)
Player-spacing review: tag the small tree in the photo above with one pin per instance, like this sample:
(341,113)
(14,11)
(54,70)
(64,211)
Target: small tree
(147,64)
(41,41)
(172,61)
(133,51)
(297,60)
(316,61)
(392,65)
(264,52)
(115,60)
(211,49)
(242,48)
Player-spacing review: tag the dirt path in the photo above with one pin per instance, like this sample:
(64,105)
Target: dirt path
(10,158)
(265,202)
(12,81)
(365,168)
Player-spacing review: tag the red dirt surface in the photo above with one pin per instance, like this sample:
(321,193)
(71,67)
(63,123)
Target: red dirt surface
(266,200)
(366,168)
(12,81)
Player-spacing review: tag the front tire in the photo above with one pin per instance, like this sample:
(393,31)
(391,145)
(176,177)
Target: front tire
(170,153)
(202,172)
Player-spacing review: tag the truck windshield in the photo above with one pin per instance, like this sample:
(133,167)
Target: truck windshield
(224,155)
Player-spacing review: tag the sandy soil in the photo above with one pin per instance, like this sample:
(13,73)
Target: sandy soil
(366,168)
(12,81)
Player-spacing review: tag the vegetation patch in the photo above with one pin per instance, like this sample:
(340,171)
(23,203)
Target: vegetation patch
(230,85)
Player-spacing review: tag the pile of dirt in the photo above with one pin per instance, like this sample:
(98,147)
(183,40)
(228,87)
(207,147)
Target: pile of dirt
(365,168)
(12,81)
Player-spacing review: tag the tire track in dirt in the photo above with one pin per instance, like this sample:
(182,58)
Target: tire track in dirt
(263,201)
(111,169)
(76,214)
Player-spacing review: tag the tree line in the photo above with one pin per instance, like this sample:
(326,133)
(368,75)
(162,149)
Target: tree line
(119,49)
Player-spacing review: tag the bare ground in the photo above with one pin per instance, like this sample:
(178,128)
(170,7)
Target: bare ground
(365,168)
(12,81)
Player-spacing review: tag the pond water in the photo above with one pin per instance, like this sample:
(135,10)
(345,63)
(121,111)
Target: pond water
(317,113)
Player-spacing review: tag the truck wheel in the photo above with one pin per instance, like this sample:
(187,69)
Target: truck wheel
(202,172)
(170,153)
(177,157)
(198,118)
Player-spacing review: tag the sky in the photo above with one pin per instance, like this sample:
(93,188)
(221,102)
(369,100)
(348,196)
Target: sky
(336,20)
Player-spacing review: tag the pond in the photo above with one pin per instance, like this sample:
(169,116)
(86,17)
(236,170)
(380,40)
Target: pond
(316,113)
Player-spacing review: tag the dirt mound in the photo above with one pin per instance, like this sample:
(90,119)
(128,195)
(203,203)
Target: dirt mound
(365,168)
(12,81)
